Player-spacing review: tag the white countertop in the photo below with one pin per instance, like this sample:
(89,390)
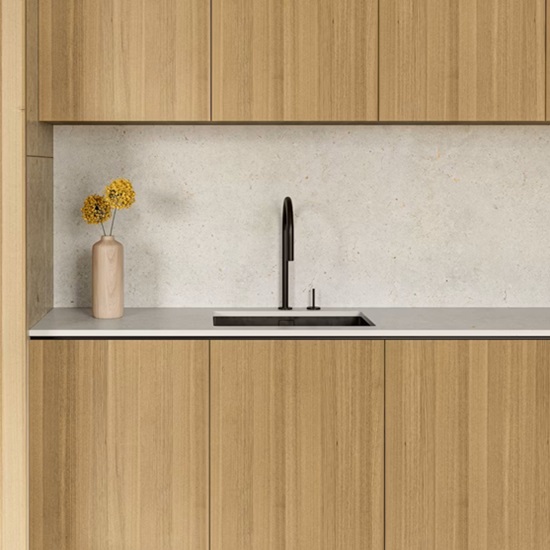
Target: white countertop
(389,323)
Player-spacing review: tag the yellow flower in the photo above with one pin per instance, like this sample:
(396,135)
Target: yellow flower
(120,194)
(96,209)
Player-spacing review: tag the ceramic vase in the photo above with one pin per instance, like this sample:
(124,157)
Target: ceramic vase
(108,279)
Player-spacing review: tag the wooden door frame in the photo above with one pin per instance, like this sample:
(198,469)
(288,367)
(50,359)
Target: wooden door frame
(13,329)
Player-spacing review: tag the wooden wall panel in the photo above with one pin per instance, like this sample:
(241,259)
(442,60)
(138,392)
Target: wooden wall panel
(462,60)
(13,337)
(39,238)
(119,445)
(39,201)
(297,445)
(295,60)
(126,60)
(468,445)
(39,135)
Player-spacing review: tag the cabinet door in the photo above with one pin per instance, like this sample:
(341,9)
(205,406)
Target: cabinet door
(468,445)
(297,445)
(462,60)
(124,60)
(295,60)
(119,445)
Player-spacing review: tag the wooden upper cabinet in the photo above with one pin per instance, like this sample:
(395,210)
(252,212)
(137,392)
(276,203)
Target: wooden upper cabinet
(124,60)
(462,60)
(118,445)
(468,445)
(297,445)
(295,60)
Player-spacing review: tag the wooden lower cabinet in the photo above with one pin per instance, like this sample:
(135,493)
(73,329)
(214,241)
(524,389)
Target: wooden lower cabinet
(297,445)
(119,445)
(290,445)
(467,445)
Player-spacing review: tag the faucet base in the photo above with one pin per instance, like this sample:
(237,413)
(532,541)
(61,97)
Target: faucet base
(285,308)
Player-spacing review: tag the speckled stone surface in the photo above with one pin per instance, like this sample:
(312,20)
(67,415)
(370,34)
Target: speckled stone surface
(444,216)
(388,323)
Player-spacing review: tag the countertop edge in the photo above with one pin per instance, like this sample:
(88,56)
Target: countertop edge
(243,333)
(189,323)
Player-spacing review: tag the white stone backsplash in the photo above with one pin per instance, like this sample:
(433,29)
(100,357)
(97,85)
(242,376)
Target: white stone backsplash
(384,215)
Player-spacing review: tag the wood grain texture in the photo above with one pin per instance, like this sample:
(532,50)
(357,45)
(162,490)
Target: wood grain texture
(297,445)
(468,445)
(13,335)
(125,60)
(295,60)
(119,445)
(39,135)
(39,202)
(39,238)
(462,60)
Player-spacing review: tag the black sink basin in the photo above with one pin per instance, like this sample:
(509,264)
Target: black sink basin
(292,321)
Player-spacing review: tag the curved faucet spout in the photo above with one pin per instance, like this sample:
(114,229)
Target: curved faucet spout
(288,230)
(288,247)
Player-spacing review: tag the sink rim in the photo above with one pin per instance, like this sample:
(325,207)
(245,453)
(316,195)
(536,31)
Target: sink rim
(297,314)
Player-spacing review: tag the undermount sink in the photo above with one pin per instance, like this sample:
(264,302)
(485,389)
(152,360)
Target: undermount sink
(288,319)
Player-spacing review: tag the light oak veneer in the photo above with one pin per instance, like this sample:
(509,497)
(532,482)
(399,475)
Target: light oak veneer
(124,60)
(39,238)
(39,200)
(119,445)
(468,445)
(462,60)
(13,316)
(297,445)
(294,60)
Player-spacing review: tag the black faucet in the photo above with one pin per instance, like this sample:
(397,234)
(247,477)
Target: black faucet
(288,246)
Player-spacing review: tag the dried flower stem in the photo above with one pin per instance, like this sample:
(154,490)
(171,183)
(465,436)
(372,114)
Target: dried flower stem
(113,221)
(103,227)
